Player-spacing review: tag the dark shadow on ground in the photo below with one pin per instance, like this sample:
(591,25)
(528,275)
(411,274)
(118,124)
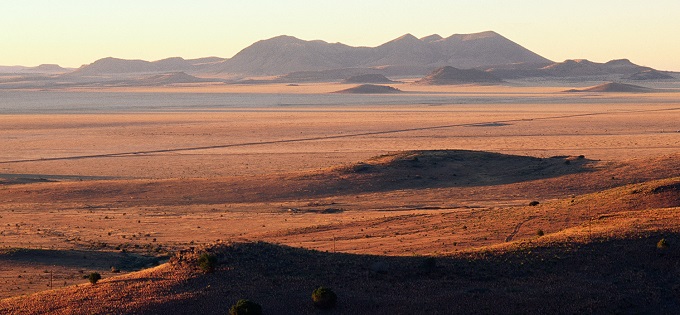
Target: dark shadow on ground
(443,168)
(626,276)
(78,258)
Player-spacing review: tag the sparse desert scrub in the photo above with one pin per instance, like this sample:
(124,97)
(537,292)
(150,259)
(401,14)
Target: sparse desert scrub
(94,277)
(662,244)
(324,298)
(245,307)
(207,262)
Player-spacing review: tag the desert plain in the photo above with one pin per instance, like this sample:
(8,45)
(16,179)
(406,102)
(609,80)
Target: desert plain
(346,191)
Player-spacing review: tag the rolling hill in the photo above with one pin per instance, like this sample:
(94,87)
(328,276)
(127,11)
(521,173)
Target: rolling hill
(615,88)
(450,76)
(597,251)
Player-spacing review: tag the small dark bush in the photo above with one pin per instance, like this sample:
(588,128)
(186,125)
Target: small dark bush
(207,262)
(662,244)
(245,307)
(324,298)
(94,277)
(540,233)
(534,203)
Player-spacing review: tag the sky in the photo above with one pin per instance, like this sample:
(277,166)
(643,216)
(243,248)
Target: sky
(76,32)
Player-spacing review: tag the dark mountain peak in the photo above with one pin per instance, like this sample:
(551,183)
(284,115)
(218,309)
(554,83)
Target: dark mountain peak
(474,36)
(620,62)
(48,67)
(111,65)
(482,35)
(171,59)
(406,41)
(571,63)
(113,60)
(283,39)
(431,38)
(406,37)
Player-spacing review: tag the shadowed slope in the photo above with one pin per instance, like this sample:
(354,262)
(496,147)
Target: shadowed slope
(617,274)
(458,168)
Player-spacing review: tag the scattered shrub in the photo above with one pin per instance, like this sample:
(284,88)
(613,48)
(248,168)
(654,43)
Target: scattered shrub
(114,269)
(662,244)
(94,277)
(245,307)
(534,203)
(207,262)
(540,233)
(324,298)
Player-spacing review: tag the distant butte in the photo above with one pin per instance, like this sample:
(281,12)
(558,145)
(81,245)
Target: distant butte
(450,76)
(615,88)
(370,89)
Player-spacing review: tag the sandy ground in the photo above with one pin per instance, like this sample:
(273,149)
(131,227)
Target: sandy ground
(168,145)
(104,163)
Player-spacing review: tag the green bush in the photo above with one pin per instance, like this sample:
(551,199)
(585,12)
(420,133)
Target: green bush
(94,277)
(324,298)
(207,262)
(540,233)
(245,307)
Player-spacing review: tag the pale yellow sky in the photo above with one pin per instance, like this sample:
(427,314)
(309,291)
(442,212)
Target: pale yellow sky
(76,32)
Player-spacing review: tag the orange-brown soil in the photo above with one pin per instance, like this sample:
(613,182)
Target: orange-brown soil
(357,203)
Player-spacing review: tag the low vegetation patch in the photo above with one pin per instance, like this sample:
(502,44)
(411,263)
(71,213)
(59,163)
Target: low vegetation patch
(207,262)
(94,277)
(662,244)
(324,298)
(245,307)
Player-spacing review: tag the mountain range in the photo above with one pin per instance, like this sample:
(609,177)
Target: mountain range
(286,54)
(290,59)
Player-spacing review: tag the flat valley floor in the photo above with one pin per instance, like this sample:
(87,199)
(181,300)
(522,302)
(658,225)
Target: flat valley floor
(88,191)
